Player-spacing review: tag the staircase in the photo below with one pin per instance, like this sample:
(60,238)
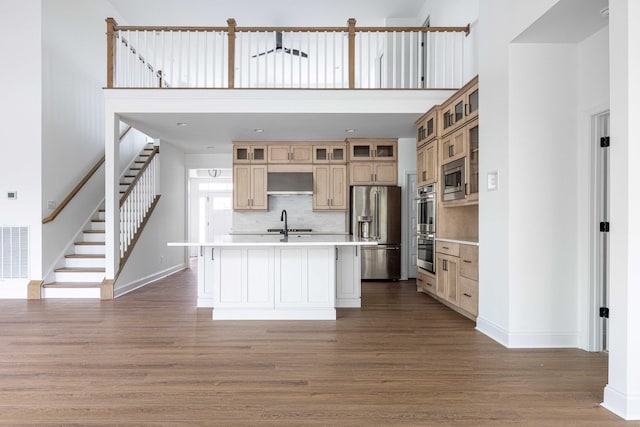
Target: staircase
(84,266)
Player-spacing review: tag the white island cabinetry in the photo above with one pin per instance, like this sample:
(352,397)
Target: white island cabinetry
(262,277)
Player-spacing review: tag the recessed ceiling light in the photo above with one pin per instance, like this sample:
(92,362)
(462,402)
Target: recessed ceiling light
(182,124)
(349,130)
(258,130)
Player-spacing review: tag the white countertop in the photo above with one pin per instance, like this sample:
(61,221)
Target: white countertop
(276,240)
(464,240)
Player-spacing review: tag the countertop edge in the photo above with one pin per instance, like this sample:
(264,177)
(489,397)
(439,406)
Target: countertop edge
(462,240)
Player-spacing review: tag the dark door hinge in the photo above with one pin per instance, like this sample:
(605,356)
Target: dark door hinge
(604,312)
(604,227)
(604,142)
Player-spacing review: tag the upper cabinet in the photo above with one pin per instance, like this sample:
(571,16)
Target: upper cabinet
(289,153)
(368,149)
(427,164)
(460,108)
(330,153)
(249,153)
(428,126)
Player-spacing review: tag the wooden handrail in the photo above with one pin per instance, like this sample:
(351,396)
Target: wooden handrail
(144,167)
(81,184)
(292,29)
(73,193)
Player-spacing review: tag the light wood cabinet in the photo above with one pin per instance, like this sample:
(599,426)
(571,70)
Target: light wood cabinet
(447,272)
(249,153)
(289,153)
(456,279)
(250,187)
(428,126)
(453,146)
(329,153)
(366,149)
(462,107)
(373,173)
(425,282)
(330,187)
(427,164)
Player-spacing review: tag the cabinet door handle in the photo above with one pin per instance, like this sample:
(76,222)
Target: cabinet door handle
(336,254)
(375,177)
(467,295)
(444,265)
(371,177)
(467,261)
(466,109)
(451,150)
(212,258)
(445,247)
(424,175)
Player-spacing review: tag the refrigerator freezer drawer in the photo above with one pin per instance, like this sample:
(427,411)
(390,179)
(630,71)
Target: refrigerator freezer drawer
(381,262)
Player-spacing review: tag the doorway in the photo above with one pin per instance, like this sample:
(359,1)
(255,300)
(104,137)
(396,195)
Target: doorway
(600,252)
(210,204)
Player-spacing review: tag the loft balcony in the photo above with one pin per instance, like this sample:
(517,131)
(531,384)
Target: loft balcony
(233,57)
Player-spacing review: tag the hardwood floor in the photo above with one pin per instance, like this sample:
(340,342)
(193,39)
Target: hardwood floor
(152,358)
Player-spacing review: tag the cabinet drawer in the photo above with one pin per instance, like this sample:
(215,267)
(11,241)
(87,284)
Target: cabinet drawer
(469,261)
(425,281)
(468,297)
(448,248)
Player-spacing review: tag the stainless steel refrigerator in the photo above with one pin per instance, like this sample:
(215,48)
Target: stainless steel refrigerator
(376,215)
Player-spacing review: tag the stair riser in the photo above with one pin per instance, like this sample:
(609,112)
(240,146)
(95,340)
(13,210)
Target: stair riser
(93,293)
(101,215)
(97,226)
(89,249)
(84,262)
(93,237)
(77,277)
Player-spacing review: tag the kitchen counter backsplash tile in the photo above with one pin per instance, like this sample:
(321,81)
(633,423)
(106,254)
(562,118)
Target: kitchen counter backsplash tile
(300,214)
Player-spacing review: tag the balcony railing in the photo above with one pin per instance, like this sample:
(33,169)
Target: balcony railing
(283,57)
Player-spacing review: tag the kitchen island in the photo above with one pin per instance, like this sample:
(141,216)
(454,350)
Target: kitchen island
(267,276)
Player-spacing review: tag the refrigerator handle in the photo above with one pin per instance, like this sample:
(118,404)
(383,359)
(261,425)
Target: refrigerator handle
(377,202)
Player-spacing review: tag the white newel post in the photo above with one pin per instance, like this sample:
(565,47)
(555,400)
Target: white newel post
(622,393)
(112,194)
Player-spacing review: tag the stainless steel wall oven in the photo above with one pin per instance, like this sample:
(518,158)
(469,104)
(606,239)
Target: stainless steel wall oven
(427,199)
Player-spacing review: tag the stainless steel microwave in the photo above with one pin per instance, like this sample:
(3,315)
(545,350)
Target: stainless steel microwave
(453,180)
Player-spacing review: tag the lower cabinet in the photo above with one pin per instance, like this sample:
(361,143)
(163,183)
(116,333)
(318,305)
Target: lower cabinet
(348,272)
(301,277)
(456,280)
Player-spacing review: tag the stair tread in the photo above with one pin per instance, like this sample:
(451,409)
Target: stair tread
(72,285)
(79,270)
(90,243)
(92,256)
(97,220)
(94,231)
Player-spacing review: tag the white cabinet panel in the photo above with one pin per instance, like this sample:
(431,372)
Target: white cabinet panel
(259,277)
(348,277)
(305,278)
(319,273)
(243,277)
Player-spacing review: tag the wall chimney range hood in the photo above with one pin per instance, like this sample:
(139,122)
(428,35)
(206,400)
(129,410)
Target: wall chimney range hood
(289,183)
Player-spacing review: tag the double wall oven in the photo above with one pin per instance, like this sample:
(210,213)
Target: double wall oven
(427,197)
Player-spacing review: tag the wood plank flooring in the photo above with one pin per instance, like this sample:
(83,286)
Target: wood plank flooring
(152,358)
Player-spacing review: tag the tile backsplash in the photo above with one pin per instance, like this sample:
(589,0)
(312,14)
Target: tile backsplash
(300,214)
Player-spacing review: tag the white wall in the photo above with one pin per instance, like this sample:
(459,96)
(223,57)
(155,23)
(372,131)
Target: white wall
(543,189)
(593,98)
(74,73)
(151,258)
(20,113)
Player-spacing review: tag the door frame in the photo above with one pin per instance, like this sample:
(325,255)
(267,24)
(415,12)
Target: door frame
(410,201)
(596,292)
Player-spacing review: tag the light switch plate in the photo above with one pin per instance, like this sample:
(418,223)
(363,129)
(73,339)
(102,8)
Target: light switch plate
(492,181)
(12,195)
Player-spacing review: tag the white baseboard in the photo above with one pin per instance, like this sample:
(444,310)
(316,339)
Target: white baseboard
(125,289)
(624,405)
(527,339)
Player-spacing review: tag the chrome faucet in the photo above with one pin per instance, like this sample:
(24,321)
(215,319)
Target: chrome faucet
(283,217)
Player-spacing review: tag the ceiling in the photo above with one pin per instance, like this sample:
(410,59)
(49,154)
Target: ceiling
(569,21)
(213,132)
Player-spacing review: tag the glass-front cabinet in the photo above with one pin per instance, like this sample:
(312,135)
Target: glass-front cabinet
(474,152)
(364,149)
(249,153)
(330,153)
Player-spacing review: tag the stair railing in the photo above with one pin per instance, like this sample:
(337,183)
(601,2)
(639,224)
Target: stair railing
(286,57)
(79,185)
(136,204)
